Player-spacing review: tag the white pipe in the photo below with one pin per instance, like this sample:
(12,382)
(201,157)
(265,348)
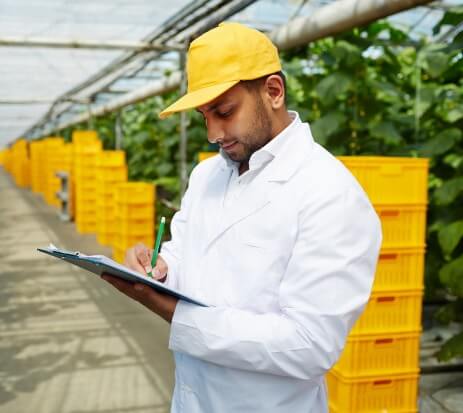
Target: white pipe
(83,44)
(326,21)
(335,18)
(155,88)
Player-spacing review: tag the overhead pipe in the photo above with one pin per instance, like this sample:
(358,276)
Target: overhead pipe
(326,21)
(86,44)
(335,18)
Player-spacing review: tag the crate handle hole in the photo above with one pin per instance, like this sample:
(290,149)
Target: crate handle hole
(382,382)
(390,213)
(381,341)
(385,299)
(388,256)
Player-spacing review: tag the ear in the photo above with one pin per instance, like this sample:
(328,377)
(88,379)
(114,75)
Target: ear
(274,90)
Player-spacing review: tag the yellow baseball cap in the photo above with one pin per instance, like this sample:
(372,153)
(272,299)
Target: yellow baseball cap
(222,57)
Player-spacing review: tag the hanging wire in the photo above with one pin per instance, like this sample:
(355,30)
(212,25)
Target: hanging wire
(299,9)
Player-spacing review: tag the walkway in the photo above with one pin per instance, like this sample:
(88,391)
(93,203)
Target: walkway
(68,342)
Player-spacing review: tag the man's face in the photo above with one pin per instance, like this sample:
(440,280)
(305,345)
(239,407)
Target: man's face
(238,121)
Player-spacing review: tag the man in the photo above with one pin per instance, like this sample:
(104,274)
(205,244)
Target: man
(274,234)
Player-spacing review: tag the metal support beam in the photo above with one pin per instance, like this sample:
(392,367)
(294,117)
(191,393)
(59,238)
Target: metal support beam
(85,44)
(326,21)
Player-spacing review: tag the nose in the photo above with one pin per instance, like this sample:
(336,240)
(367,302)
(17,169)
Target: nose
(215,132)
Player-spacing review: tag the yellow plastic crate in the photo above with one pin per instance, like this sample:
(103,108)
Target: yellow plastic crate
(85,186)
(84,212)
(379,354)
(118,254)
(104,238)
(400,268)
(389,180)
(86,227)
(111,158)
(107,191)
(391,312)
(125,242)
(108,225)
(135,211)
(136,227)
(110,175)
(394,393)
(85,198)
(85,174)
(402,225)
(89,148)
(135,193)
(106,213)
(84,137)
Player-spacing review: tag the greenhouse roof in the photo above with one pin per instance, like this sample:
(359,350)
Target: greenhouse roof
(58,80)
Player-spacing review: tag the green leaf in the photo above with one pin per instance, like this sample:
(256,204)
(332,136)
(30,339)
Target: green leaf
(332,86)
(450,312)
(347,53)
(435,63)
(451,348)
(441,143)
(451,275)
(454,161)
(450,236)
(387,131)
(327,125)
(386,91)
(452,17)
(426,99)
(449,190)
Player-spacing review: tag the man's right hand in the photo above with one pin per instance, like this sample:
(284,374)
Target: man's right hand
(138,258)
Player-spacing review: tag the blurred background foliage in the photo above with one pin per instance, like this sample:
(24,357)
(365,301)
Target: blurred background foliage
(375,90)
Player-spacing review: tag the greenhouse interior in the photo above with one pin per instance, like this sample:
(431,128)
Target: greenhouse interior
(220,255)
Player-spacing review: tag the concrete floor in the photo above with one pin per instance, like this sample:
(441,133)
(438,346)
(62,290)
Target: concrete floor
(69,343)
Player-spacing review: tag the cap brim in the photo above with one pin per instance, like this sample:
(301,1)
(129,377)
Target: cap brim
(197,98)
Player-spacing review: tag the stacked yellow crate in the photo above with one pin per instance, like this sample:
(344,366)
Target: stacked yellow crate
(87,148)
(37,165)
(135,216)
(51,158)
(378,370)
(20,163)
(111,170)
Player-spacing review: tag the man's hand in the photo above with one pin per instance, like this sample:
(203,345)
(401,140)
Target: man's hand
(161,304)
(138,258)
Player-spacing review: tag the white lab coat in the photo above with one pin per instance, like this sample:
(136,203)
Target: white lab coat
(287,271)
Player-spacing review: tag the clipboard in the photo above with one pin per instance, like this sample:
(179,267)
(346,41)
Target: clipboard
(99,264)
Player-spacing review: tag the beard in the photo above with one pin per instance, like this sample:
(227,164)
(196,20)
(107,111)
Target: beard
(258,135)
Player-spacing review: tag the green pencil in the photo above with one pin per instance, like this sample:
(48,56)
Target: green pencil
(157,245)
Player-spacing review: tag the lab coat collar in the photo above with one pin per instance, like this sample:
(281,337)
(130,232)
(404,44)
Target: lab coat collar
(262,189)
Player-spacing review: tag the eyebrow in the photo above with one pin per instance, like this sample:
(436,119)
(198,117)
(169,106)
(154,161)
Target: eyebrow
(212,107)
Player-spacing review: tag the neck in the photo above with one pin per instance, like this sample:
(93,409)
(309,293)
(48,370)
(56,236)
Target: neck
(279,124)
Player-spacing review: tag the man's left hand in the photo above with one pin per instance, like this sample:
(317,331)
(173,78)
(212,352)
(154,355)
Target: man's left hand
(161,304)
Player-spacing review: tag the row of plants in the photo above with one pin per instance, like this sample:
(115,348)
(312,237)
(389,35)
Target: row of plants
(376,90)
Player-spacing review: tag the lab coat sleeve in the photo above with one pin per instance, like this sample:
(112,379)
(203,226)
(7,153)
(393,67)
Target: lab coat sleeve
(326,285)
(171,251)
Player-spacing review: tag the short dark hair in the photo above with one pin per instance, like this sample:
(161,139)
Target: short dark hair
(254,84)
